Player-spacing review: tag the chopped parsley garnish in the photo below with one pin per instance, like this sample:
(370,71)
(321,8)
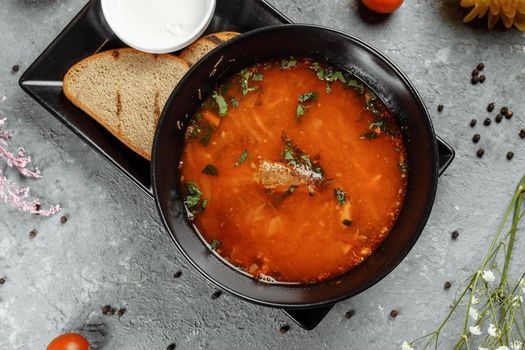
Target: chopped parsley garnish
(369,135)
(347,222)
(291,189)
(234,102)
(299,112)
(300,160)
(247,75)
(288,63)
(356,85)
(210,170)
(307,97)
(221,103)
(194,129)
(194,201)
(316,67)
(201,129)
(215,244)
(373,104)
(378,124)
(403,167)
(242,158)
(205,140)
(340,195)
(330,75)
(381,124)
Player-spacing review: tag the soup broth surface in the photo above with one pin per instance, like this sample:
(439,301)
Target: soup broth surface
(293,170)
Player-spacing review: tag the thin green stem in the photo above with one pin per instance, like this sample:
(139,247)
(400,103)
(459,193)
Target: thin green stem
(513,229)
(497,300)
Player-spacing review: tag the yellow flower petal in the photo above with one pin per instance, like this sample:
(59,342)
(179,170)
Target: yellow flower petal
(467,3)
(492,20)
(521,7)
(495,8)
(471,15)
(519,22)
(483,10)
(511,12)
(507,21)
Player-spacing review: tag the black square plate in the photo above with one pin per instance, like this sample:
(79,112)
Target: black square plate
(88,33)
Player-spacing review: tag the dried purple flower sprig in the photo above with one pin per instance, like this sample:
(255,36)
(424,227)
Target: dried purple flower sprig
(9,191)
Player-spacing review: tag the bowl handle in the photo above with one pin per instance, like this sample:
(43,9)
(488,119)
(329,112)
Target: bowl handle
(446,155)
(309,318)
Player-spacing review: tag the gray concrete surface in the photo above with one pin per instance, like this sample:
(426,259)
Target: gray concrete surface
(114,250)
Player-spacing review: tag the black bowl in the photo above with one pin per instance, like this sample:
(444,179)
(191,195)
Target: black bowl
(336,49)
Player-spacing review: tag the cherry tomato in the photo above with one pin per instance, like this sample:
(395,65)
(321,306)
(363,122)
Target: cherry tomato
(383,6)
(69,341)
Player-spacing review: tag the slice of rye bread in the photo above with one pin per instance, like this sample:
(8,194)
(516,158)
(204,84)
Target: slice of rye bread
(125,90)
(193,53)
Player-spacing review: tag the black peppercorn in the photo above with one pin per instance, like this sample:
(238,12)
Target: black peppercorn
(216,295)
(121,312)
(490,107)
(474,80)
(480,152)
(177,274)
(509,114)
(172,346)
(350,313)
(106,309)
(15,68)
(476,138)
(522,133)
(487,121)
(3,279)
(284,329)
(347,222)
(475,73)
(498,118)
(33,233)
(504,110)
(510,155)
(447,285)
(440,108)
(394,313)
(473,123)
(480,66)
(455,234)
(63,219)
(482,78)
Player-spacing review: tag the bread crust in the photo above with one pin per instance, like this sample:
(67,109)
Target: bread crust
(87,109)
(213,40)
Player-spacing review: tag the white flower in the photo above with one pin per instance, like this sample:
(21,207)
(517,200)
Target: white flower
(475,330)
(502,348)
(516,345)
(480,348)
(473,313)
(406,346)
(488,276)
(493,331)
(517,299)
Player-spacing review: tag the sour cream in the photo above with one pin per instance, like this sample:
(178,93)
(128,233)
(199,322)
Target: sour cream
(158,26)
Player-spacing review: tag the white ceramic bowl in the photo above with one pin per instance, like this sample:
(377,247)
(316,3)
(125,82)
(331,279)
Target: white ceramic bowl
(155,25)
